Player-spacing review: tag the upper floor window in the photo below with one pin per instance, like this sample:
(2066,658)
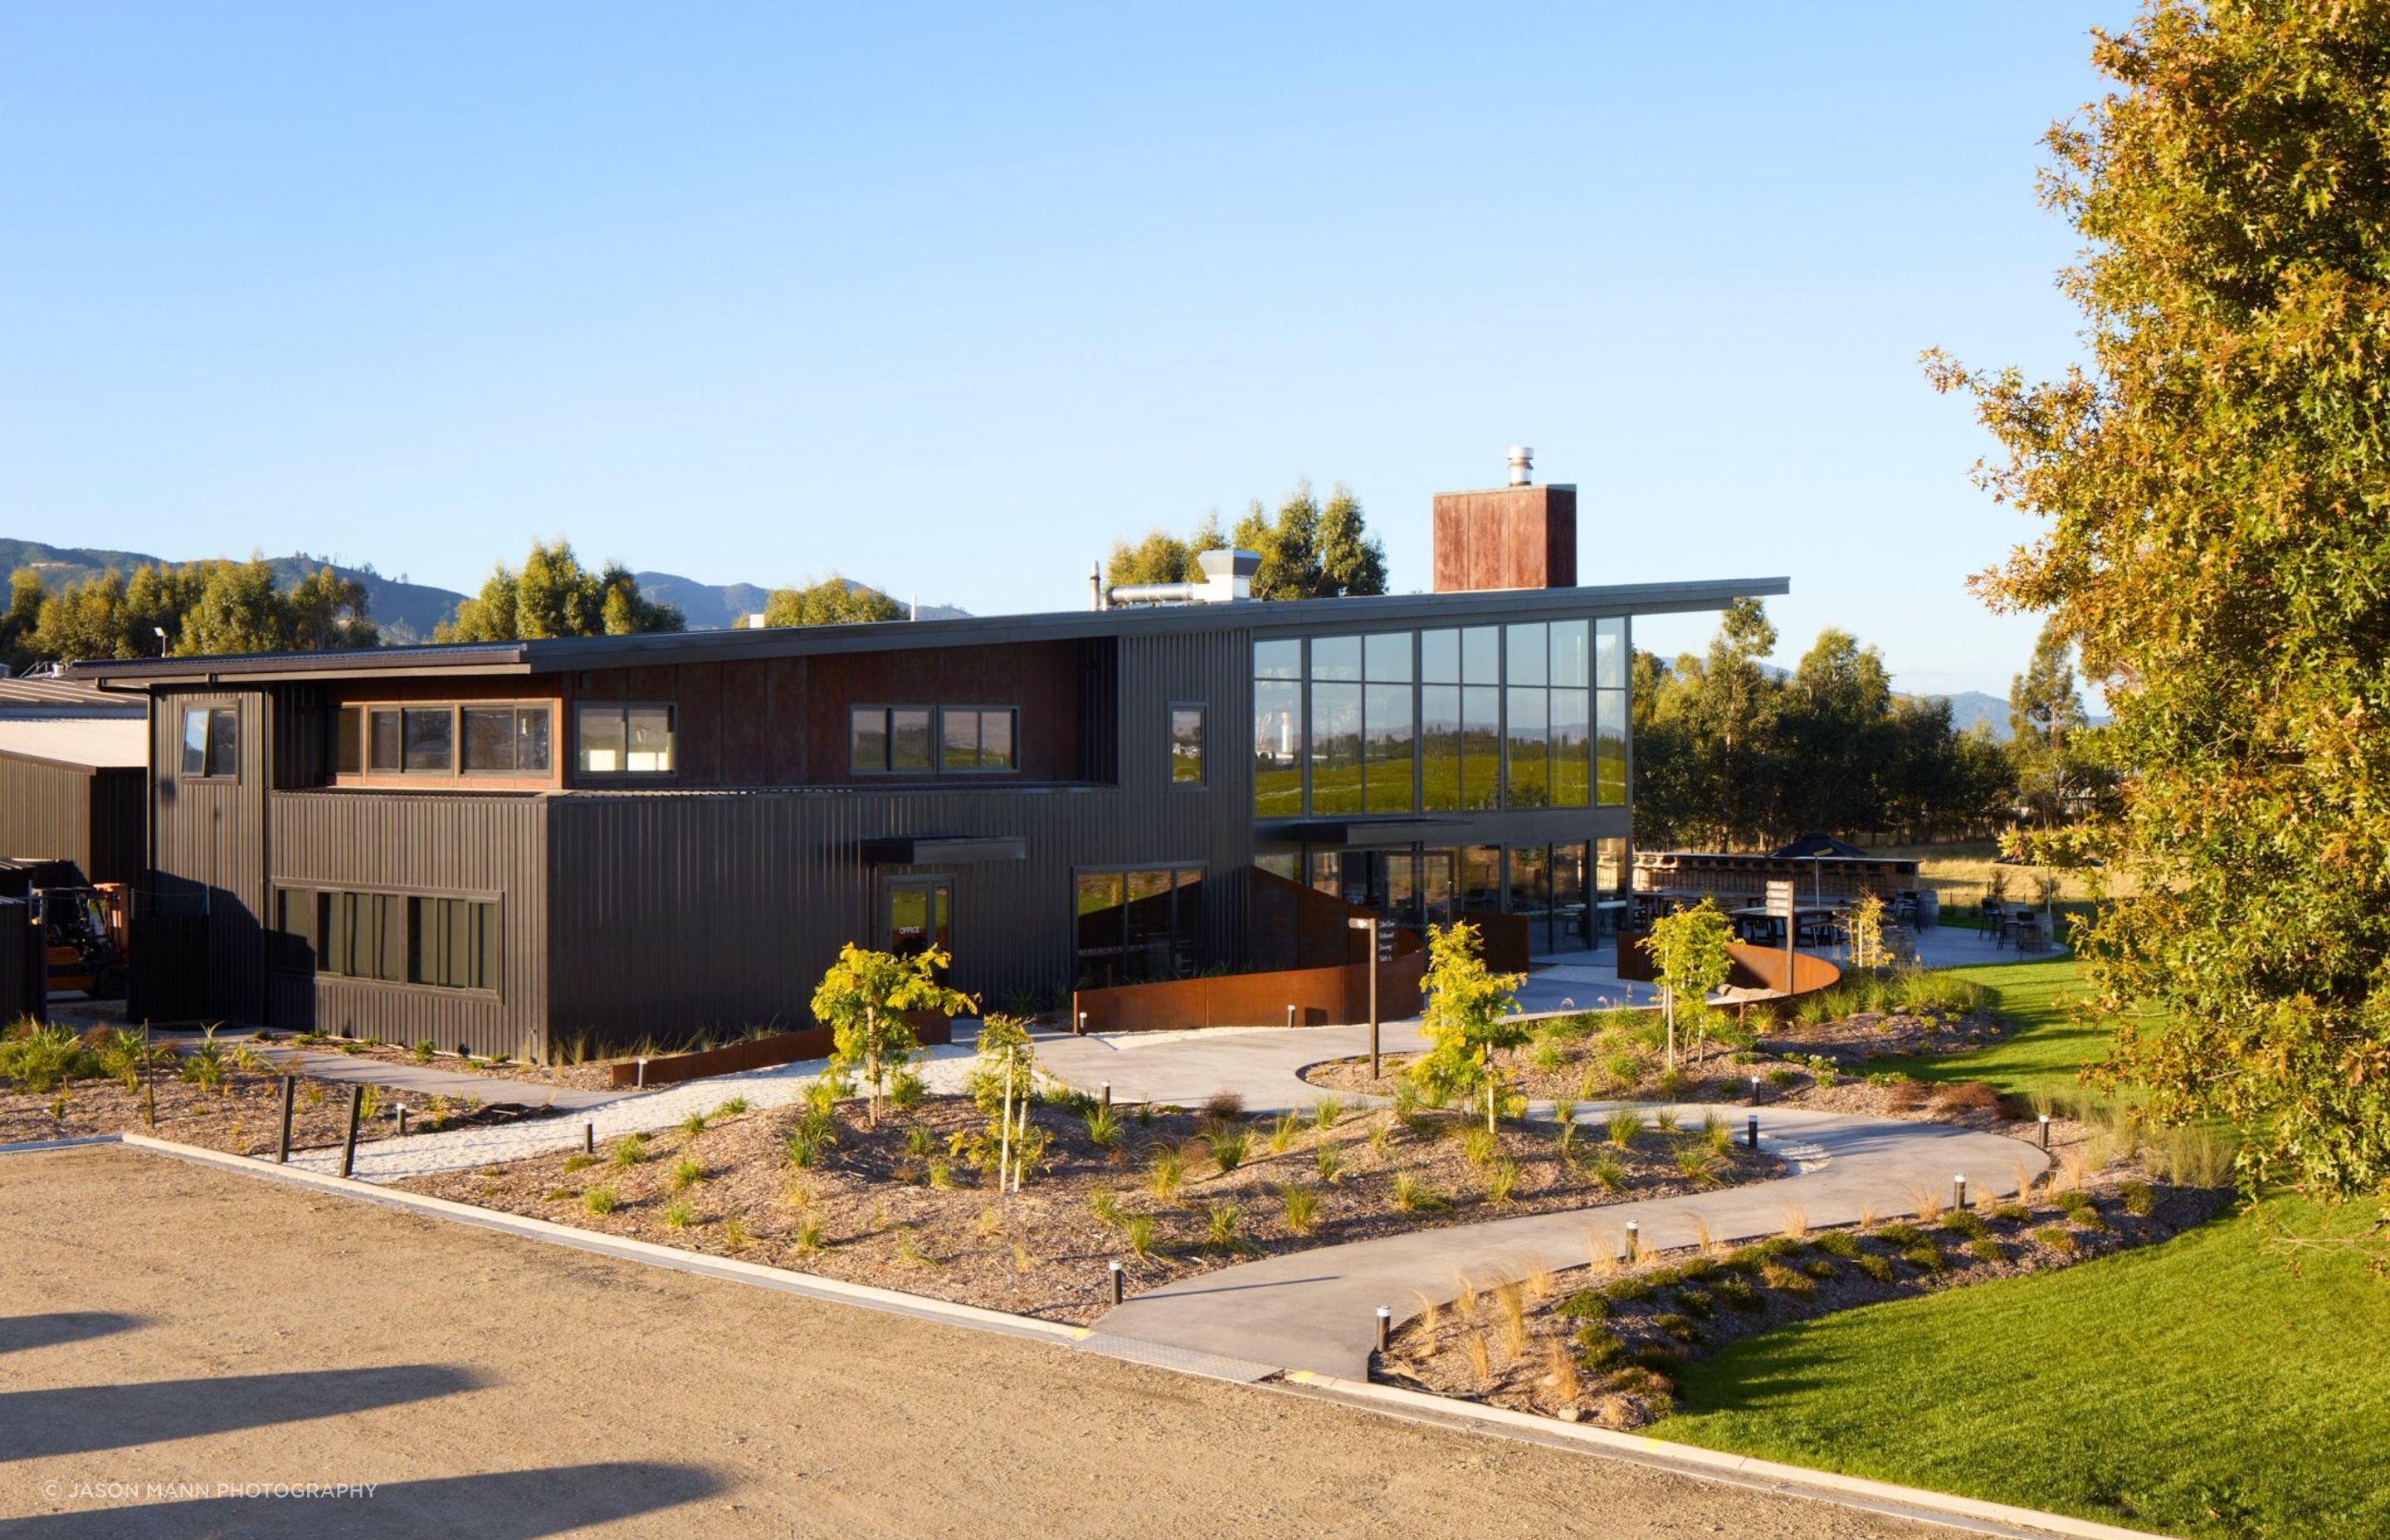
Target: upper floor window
(920,740)
(212,742)
(494,738)
(626,740)
(1187,745)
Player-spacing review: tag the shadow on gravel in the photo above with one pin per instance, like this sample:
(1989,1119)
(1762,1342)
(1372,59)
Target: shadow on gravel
(506,1504)
(79,1419)
(20,1332)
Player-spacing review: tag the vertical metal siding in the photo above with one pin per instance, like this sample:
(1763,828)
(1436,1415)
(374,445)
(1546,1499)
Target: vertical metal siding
(481,845)
(211,848)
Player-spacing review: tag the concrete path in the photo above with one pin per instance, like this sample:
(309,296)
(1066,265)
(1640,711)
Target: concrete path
(944,1069)
(1318,1309)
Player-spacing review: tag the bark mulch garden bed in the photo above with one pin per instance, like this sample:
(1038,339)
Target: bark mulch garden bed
(592,1075)
(1601,1343)
(897,1207)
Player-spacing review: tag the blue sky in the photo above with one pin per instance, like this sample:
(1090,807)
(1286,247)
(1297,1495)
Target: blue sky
(947,299)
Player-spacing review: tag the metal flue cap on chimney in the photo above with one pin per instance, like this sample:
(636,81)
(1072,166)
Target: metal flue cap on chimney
(1522,466)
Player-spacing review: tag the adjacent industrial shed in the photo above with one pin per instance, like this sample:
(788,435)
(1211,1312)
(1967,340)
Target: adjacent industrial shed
(74,777)
(515,847)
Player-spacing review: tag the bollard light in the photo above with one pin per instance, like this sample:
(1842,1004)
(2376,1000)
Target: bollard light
(1754,1090)
(1751,1131)
(1083,1024)
(1385,1327)
(589,1138)
(1959,1188)
(1120,1282)
(402,1122)
(2045,1131)
(1634,1241)
(642,1081)
(1289,1016)
(1108,1094)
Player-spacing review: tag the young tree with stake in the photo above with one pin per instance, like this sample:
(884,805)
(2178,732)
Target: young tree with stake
(1689,951)
(864,1000)
(1469,1017)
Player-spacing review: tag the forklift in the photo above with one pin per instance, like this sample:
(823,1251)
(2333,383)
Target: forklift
(83,924)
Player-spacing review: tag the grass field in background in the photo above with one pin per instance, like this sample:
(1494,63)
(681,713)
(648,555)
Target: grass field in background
(1962,873)
(2198,1387)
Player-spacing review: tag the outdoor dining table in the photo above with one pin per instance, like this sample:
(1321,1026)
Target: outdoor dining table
(1753,923)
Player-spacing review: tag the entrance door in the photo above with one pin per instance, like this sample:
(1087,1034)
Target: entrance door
(920,915)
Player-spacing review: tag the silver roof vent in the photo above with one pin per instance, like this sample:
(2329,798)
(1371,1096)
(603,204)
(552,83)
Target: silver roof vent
(1227,576)
(1522,466)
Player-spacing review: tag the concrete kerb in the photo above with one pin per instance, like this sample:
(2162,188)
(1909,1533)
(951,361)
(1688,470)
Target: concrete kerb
(1883,1497)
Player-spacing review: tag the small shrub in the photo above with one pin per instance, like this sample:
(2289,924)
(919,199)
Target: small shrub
(1841,1244)
(424,1050)
(578,1162)
(1697,1302)
(734,1234)
(1875,1266)
(1741,1295)
(1229,1147)
(1697,1164)
(2139,1199)
(732,1108)
(909,1252)
(1966,1224)
(1104,1129)
(1901,1233)
(693,1124)
(1598,1349)
(1986,1248)
(1820,1268)
(1479,1146)
(906,1089)
(1328,1160)
(1717,1134)
(1781,1077)
(1413,1196)
(942,1174)
(679,1215)
(1586,1304)
(1281,1134)
(601,1200)
(1325,1112)
(920,1142)
(1972,1095)
(1225,1107)
(808,1234)
(1608,1171)
(1302,1209)
(1502,1182)
(686,1174)
(1104,1203)
(1925,1257)
(1784,1279)
(1627,1291)
(1221,1221)
(2011,1213)
(1677,1327)
(2058,1237)
(1140,1232)
(628,1153)
(1626,1125)
(1164,1173)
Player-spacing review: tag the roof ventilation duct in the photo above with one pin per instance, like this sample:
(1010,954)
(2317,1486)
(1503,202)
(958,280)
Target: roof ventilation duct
(1227,576)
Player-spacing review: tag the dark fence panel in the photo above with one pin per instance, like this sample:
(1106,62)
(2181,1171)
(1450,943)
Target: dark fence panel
(24,963)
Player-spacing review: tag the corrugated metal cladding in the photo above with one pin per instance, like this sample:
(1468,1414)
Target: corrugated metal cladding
(211,847)
(94,816)
(489,845)
(675,911)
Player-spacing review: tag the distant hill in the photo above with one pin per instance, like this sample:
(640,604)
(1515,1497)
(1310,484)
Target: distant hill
(407,612)
(1969,707)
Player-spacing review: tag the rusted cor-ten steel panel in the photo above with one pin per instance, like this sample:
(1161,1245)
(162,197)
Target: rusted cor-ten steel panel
(1509,538)
(491,846)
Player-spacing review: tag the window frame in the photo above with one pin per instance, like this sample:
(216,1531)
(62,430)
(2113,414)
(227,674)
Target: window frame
(324,904)
(937,712)
(208,770)
(365,711)
(517,710)
(1202,710)
(582,710)
(938,741)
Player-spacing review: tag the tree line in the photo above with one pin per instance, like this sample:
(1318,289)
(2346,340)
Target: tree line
(1733,755)
(1309,550)
(196,608)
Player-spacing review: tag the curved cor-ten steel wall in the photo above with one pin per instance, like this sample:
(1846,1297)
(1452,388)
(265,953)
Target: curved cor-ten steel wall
(1753,967)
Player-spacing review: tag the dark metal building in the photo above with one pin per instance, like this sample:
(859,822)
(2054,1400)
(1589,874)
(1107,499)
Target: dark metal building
(507,847)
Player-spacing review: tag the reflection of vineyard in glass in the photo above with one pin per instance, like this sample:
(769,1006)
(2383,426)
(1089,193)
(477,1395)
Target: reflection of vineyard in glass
(1442,721)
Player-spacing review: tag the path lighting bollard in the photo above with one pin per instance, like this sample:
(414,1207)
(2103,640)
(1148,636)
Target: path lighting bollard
(282,1149)
(1754,1090)
(1634,1240)
(1385,1327)
(349,1146)
(2045,1131)
(1120,1282)
(1289,1016)
(1081,1031)
(1108,1096)
(1751,1131)
(642,1082)
(589,1138)
(402,1122)
(1959,1186)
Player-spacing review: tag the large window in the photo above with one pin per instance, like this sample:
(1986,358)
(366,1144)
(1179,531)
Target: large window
(1525,715)
(395,937)
(626,740)
(1278,738)
(1135,925)
(1187,746)
(481,739)
(923,740)
(211,742)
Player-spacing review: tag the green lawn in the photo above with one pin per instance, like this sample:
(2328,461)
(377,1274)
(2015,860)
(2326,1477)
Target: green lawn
(2047,1047)
(2196,1387)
